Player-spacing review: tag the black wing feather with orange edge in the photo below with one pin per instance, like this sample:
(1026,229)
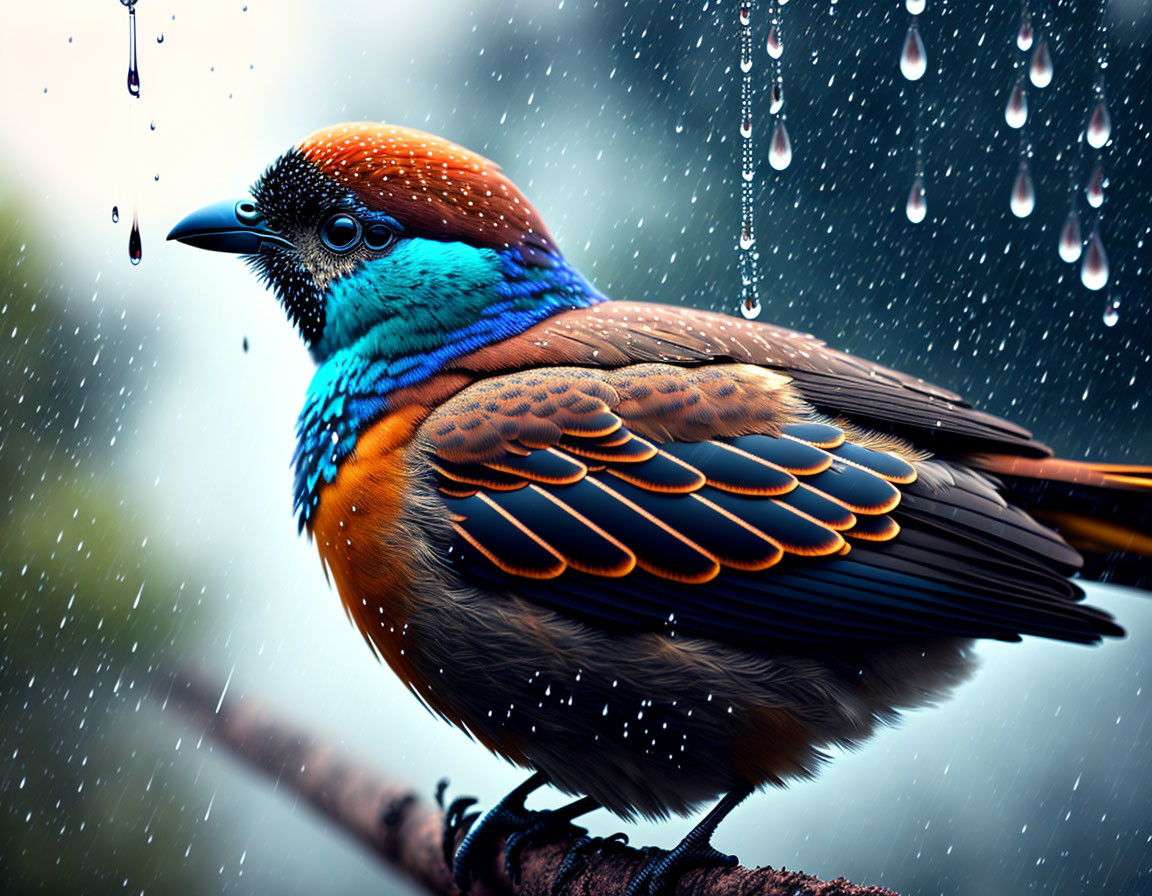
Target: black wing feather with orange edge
(709,501)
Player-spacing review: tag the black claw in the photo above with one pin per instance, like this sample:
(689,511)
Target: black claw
(659,874)
(394,811)
(546,822)
(576,859)
(441,786)
(457,818)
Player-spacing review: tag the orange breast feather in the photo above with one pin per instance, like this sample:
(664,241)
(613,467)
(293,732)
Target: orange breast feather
(355,528)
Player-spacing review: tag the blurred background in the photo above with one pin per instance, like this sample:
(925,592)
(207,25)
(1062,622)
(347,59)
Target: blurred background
(147,422)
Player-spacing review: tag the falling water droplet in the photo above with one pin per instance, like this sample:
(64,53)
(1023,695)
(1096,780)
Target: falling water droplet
(745,14)
(152,126)
(135,250)
(751,312)
(746,64)
(776,103)
(245,344)
(1111,313)
(917,206)
(748,173)
(1040,71)
(915,6)
(746,128)
(1094,269)
(780,152)
(1016,112)
(115,214)
(1070,241)
(133,70)
(775,47)
(1094,192)
(160,38)
(1023,195)
(1024,35)
(913,59)
(1099,125)
(745,239)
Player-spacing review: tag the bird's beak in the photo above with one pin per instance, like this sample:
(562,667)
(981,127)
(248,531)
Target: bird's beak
(234,225)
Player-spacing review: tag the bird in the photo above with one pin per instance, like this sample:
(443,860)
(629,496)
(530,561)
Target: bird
(658,556)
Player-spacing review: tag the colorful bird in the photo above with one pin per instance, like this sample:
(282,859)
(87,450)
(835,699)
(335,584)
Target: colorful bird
(655,554)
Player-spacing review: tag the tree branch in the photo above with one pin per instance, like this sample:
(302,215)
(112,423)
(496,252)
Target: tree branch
(392,820)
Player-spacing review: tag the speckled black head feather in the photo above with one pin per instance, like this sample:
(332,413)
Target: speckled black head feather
(291,195)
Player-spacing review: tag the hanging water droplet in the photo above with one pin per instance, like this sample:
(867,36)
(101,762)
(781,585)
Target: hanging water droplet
(917,206)
(745,239)
(1023,195)
(745,14)
(135,250)
(1094,192)
(1040,71)
(1099,125)
(775,47)
(746,128)
(1094,269)
(133,70)
(1024,35)
(913,59)
(1016,112)
(915,6)
(751,312)
(776,103)
(1111,313)
(1070,241)
(115,214)
(780,152)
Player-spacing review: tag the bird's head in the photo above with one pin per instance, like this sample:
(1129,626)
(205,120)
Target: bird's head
(377,235)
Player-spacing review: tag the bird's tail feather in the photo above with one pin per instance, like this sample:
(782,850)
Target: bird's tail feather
(1102,510)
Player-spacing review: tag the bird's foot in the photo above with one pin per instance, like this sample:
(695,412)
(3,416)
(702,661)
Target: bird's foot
(506,819)
(576,859)
(658,876)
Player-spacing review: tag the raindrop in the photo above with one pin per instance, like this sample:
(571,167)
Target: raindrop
(748,174)
(1023,195)
(1016,112)
(1070,241)
(775,48)
(135,250)
(751,312)
(133,70)
(1040,71)
(1111,313)
(914,59)
(916,207)
(915,6)
(745,239)
(776,103)
(1095,189)
(160,38)
(1024,35)
(745,15)
(780,153)
(115,214)
(746,64)
(1094,268)
(245,344)
(1099,125)
(746,128)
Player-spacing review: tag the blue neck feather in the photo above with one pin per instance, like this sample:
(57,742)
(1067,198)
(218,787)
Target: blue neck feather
(395,322)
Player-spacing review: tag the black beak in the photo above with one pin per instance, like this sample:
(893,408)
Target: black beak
(234,225)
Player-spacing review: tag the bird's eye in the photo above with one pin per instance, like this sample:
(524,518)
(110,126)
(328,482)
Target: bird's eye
(340,232)
(377,236)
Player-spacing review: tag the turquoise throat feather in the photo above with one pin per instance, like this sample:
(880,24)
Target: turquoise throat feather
(394,322)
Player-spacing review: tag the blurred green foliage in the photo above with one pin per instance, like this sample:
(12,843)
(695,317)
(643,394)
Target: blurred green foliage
(87,804)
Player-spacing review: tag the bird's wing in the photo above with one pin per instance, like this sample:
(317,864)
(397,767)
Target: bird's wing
(837,384)
(710,501)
